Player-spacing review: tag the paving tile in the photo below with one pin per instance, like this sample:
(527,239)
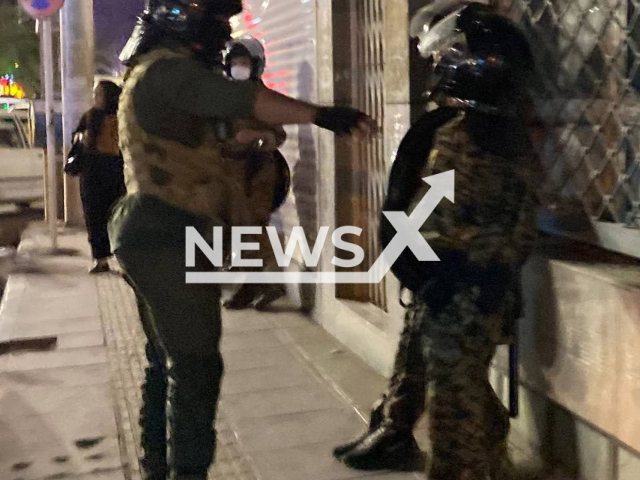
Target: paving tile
(288,431)
(287,320)
(307,462)
(63,462)
(78,434)
(45,309)
(53,286)
(249,341)
(282,401)
(78,375)
(56,358)
(117,474)
(73,401)
(290,374)
(351,375)
(302,333)
(93,338)
(394,476)
(258,357)
(321,348)
(235,322)
(50,327)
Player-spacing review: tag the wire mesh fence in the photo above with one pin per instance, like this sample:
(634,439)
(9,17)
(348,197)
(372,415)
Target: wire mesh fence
(588,55)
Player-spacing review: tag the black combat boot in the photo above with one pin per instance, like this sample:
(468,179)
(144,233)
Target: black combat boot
(153,418)
(385,448)
(270,295)
(376,419)
(242,299)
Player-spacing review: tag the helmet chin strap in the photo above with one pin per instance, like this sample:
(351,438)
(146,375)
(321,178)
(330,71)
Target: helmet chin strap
(439,97)
(503,111)
(435,95)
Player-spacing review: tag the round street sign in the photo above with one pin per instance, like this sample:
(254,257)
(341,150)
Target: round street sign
(41,8)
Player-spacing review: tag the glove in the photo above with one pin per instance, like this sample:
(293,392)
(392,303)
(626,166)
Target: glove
(340,120)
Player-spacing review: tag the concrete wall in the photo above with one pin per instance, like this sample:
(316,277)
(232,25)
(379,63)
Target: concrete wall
(579,362)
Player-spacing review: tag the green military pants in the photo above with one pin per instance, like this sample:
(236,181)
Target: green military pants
(183,327)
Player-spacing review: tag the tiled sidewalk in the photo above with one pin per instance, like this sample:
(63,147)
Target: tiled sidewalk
(56,415)
(289,393)
(279,417)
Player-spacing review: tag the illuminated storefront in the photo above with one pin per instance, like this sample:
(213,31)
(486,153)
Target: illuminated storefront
(10,88)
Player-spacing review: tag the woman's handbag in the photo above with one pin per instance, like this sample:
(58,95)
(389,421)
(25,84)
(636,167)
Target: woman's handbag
(76,158)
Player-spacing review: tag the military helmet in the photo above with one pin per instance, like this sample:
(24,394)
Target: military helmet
(189,18)
(250,47)
(478,57)
(195,23)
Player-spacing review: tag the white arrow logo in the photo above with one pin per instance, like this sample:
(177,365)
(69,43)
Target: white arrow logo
(407,236)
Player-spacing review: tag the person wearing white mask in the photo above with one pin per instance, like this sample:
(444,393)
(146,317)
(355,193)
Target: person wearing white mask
(245,60)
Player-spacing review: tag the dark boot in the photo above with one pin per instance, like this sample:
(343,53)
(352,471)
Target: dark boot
(270,295)
(242,299)
(100,266)
(153,421)
(383,449)
(193,390)
(375,420)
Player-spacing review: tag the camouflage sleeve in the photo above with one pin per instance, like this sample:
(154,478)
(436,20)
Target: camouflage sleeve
(511,242)
(525,232)
(507,239)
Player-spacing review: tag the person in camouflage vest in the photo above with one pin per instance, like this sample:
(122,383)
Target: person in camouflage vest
(467,303)
(174,114)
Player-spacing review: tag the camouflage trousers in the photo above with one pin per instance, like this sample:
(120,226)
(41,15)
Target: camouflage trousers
(403,403)
(443,362)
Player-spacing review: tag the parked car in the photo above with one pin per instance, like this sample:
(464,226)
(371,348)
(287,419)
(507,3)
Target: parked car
(21,164)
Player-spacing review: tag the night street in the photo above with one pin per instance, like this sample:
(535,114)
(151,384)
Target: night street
(319,240)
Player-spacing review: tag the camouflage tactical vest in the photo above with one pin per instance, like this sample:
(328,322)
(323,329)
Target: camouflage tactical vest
(493,198)
(196,179)
(200,180)
(492,221)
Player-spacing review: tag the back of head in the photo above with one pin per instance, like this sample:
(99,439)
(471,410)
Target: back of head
(111,95)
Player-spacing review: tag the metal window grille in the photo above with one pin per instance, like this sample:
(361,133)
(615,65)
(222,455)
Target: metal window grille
(588,54)
(361,83)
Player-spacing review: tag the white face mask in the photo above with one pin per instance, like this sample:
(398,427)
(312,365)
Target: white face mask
(240,72)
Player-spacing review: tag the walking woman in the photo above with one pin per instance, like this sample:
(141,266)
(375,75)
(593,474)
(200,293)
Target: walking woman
(102,176)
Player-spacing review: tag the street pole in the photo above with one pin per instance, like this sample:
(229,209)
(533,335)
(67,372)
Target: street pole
(77,55)
(52,184)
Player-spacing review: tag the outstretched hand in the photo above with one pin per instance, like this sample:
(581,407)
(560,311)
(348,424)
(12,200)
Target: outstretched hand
(346,121)
(367,127)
